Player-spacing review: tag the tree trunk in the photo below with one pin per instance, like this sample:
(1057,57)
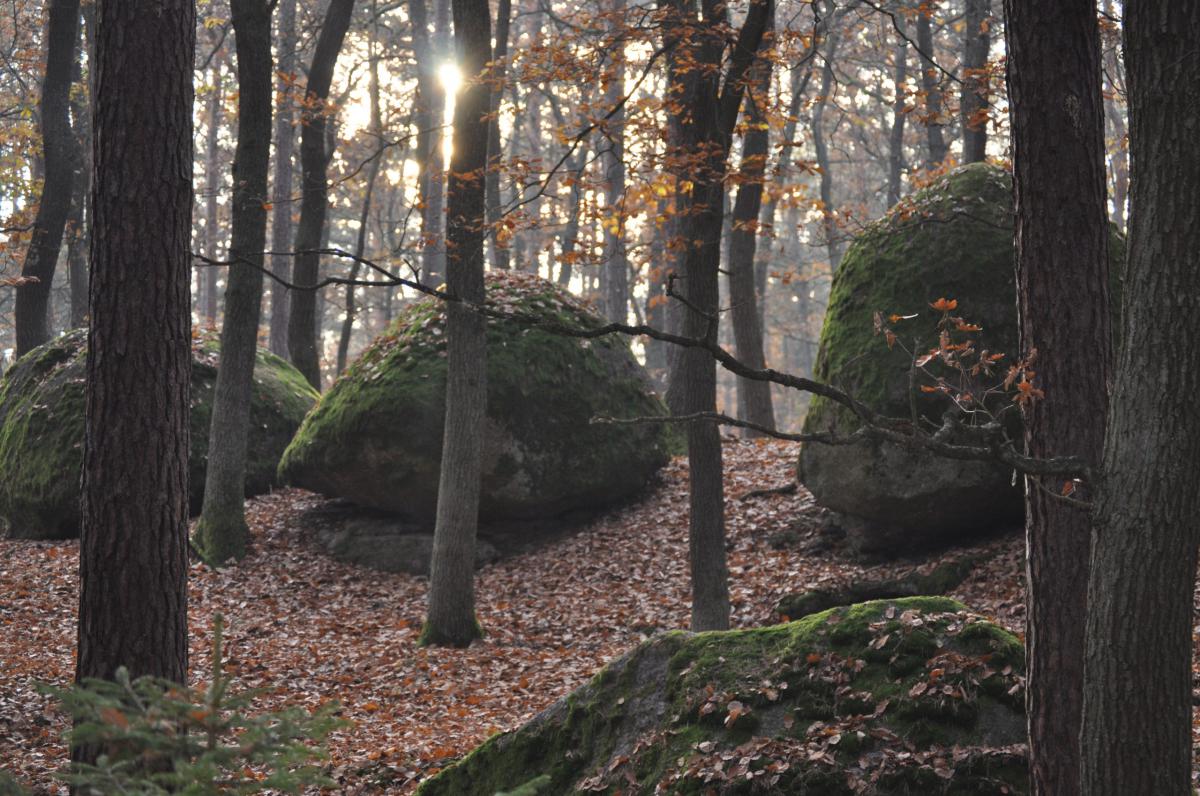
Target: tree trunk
(1062,275)
(829,230)
(451,620)
(974,100)
(133,540)
(931,87)
(896,137)
(714,100)
(360,245)
(611,144)
(281,190)
(212,189)
(59,147)
(314,157)
(499,246)
(570,236)
(80,219)
(222,533)
(1138,678)
(754,397)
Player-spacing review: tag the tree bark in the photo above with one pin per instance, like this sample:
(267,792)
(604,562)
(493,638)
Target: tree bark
(754,397)
(451,619)
(1062,277)
(714,100)
(32,310)
(974,100)
(935,140)
(1137,694)
(499,246)
(360,245)
(222,533)
(611,144)
(133,542)
(899,104)
(80,218)
(303,339)
(212,189)
(281,189)
(829,230)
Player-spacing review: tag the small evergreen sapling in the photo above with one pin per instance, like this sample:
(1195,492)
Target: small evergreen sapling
(159,737)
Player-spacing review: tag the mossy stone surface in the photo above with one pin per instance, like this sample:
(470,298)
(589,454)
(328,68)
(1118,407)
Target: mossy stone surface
(907,696)
(375,438)
(953,239)
(41,430)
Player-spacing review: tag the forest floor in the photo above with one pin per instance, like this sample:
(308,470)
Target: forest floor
(311,629)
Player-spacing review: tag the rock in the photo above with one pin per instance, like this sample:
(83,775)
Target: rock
(41,430)
(376,436)
(389,545)
(953,239)
(943,578)
(889,697)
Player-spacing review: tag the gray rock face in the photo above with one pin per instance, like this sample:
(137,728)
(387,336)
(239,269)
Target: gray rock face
(388,545)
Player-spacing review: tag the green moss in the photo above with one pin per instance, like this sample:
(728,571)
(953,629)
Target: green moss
(41,430)
(817,698)
(953,239)
(375,437)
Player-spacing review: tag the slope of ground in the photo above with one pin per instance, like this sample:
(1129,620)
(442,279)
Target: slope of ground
(316,630)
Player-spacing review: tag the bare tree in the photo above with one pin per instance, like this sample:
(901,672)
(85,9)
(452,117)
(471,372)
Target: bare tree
(451,617)
(281,190)
(222,532)
(974,102)
(59,147)
(303,339)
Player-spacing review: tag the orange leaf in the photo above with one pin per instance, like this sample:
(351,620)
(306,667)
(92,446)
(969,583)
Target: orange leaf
(945,304)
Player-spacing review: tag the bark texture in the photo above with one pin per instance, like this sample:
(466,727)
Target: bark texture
(281,189)
(133,545)
(499,247)
(222,533)
(974,99)
(207,292)
(303,339)
(614,276)
(713,99)
(754,397)
(451,620)
(1137,701)
(1063,288)
(896,136)
(935,139)
(59,148)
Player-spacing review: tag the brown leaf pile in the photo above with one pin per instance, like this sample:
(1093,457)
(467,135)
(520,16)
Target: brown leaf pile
(314,629)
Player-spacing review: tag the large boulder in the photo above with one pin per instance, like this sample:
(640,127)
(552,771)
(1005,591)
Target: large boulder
(375,438)
(41,430)
(910,696)
(954,240)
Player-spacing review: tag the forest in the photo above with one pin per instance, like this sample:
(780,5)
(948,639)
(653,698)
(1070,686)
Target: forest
(540,397)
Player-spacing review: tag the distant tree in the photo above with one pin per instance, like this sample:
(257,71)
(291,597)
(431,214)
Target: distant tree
(303,344)
(973,101)
(1137,714)
(133,542)
(451,617)
(281,188)
(935,139)
(60,159)
(500,256)
(222,533)
(754,397)
(1063,285)
(214,116)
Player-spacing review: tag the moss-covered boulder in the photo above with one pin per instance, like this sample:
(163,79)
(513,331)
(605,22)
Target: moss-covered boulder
(41,430)
(909,696)
(954,240)
(375,438)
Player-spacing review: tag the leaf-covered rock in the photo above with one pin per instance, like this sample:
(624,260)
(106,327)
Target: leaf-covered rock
(375,438)
(41,430)
(951,240)
(908,696)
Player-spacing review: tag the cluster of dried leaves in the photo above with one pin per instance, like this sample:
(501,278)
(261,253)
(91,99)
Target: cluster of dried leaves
(313,630)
